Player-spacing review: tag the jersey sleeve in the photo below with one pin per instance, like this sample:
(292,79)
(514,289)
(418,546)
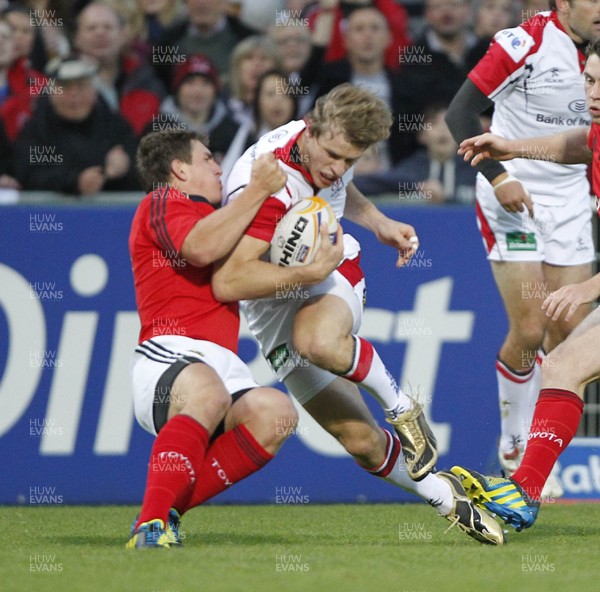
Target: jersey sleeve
(171,218)
(503,63)
(266,219)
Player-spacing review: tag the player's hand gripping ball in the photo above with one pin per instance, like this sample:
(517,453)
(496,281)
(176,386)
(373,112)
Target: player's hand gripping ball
(297,236)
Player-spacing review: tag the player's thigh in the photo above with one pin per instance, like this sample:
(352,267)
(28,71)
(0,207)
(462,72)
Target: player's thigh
(523,290)
(200,392)
(575,361)
(325,317)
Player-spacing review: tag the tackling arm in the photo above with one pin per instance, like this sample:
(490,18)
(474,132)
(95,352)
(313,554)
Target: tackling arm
(244,276)
(214,236)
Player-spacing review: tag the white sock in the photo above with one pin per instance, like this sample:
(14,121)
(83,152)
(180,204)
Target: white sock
(514,399)
(369,371)
(431,488)
(534,392)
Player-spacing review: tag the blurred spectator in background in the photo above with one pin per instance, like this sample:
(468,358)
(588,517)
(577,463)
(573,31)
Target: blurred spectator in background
(302,51)
(367,36)
(394,13)
(7,180)
(435,67)
(209,30)
(489,17)
(51,23)
(20,84)
(146,23)
(251,58)
(434,174)
(195,105)
(126,84)
(73,143)
(274,105)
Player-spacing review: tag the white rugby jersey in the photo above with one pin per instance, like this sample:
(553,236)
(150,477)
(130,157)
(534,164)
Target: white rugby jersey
(281,142)
(533,73)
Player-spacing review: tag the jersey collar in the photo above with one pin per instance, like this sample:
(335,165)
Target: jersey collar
(290,155)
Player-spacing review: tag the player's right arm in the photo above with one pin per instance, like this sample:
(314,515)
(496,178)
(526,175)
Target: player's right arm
(242,275)
(569,147)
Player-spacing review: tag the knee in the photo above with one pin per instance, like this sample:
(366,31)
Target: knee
(313,345)
(529,334)
(207,411)
(274,411)
(558,369)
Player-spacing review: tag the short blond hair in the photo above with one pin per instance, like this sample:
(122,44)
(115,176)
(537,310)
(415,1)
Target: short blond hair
(356,112)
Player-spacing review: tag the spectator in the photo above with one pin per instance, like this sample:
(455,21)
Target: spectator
(249,61)
(208,30)
(50,22)
(438,63)
(367,36)
(195,105)
(394,13)
(275,104)
(73,143)
(433,174)
(19,83)
(125,83)
(7,181)
(489,17)
(302,52)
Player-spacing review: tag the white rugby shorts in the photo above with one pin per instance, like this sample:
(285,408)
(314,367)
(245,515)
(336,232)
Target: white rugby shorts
(157,361)
(558,235)
(271,321)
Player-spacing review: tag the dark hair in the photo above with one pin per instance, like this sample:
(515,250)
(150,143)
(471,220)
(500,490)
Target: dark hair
(593,48)
(259,85)
(156,152)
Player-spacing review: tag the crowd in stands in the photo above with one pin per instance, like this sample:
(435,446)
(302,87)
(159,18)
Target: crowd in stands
(82,81)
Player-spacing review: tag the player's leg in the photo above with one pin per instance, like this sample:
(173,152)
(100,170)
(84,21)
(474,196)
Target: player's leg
(521,286)
(324,332)
(255,427)
(571,366)
(556,277)
(190,400)
(339,408)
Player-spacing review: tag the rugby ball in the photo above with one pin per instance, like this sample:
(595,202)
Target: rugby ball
(297,237)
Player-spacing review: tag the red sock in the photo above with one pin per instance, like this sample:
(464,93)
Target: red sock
(363,358)
(555,421)
(231,457)
(176,457)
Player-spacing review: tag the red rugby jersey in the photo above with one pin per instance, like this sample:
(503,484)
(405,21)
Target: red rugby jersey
(173,297)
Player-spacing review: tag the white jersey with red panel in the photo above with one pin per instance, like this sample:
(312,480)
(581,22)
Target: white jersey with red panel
(533,73)
(271,319)
(299,185)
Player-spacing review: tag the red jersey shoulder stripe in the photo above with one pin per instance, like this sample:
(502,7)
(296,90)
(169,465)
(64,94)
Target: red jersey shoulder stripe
(158,209)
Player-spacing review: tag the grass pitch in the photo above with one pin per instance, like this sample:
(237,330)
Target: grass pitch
(312,548)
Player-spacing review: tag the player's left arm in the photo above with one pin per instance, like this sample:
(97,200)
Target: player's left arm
(389,232)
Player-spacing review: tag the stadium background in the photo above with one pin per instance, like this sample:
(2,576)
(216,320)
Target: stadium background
(68,322)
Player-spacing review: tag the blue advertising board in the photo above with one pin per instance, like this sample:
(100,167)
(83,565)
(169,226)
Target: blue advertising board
(68,325)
